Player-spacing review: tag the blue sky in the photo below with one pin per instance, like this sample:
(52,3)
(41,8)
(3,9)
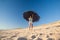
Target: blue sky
(11,12)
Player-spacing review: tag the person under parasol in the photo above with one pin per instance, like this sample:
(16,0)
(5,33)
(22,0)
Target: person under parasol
(31,17)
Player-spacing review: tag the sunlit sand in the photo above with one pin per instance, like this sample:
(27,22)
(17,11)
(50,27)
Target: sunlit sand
(44,32)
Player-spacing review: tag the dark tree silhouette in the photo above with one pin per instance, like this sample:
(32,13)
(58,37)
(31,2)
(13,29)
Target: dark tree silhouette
(34,15)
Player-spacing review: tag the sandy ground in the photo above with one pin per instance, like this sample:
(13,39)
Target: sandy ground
(49,31)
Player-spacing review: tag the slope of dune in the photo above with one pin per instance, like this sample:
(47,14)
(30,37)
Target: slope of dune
(49,31)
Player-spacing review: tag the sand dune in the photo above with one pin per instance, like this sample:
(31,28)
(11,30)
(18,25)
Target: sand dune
(49,31)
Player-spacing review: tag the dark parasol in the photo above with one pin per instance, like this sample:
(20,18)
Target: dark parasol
(34,15)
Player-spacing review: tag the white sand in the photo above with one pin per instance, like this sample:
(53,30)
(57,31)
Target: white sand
(44,32)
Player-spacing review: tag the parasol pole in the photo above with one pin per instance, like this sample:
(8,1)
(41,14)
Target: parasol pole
(32,16)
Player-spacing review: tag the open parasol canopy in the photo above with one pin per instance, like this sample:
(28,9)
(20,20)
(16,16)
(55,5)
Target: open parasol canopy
(34,16)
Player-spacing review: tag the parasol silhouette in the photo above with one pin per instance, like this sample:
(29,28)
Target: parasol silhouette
(34,16)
